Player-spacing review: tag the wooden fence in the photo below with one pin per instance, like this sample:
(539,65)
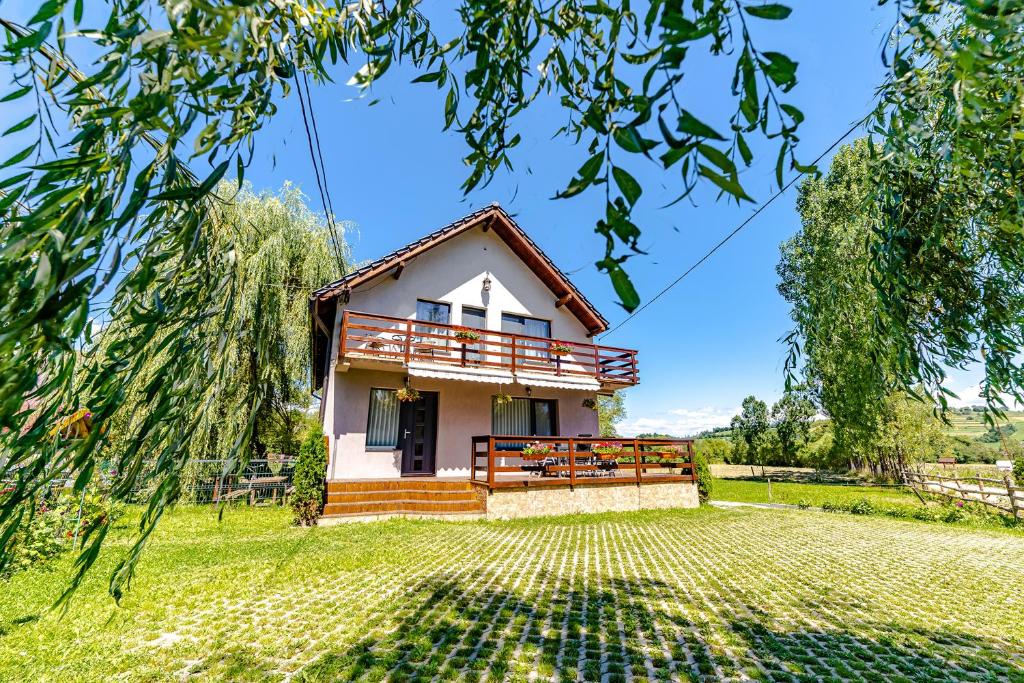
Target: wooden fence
(1002,494)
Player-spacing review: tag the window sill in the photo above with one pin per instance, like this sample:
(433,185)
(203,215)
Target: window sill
(381,449)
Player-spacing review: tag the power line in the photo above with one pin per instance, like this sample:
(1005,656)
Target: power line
(316,171)
(732,234)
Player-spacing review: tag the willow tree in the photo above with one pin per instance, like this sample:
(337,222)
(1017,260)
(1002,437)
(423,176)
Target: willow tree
(282,251)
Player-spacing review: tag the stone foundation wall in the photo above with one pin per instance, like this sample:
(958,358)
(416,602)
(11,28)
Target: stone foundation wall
(543,501)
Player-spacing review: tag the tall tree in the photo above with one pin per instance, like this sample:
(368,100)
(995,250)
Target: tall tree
(826,273)
(611,410)
(750,429)
(791,417)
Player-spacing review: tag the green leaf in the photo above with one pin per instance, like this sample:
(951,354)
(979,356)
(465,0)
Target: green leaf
(428,77)
(631,189)
(728,185)
(20,92)
(717,157)
(21,125)
(20,156)
(629,298)
(772,10)
(780,68)
(691,125)
(628,139)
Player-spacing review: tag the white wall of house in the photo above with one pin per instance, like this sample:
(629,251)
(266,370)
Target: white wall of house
(453,273)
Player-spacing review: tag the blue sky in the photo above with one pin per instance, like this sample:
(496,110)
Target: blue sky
(715,337)
(711,340)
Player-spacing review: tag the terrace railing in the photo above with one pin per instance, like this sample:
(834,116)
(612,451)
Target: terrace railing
(401,340)
(516,461)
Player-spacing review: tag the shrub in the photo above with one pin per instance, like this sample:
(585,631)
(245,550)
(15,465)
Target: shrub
(36,541)
(829,506)
(1018,471)
(704,485)
(308,499)
(862,507)
(803,504)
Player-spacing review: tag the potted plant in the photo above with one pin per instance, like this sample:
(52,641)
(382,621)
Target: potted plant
(667,455)
(466,335)
(536,451)
(607,450)
(560,349)
(408,395)
(501,399)
(590,402)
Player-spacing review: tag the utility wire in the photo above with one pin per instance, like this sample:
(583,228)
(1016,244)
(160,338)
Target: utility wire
(736,230)
(316,171)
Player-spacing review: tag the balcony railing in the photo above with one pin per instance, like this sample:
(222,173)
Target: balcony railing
(517,461)
(401,340)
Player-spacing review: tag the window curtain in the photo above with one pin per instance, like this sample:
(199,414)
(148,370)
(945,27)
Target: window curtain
(511,419)
(382,426)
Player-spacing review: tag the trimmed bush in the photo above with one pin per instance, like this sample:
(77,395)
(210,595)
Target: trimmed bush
(310,470)
(1018,471)
(700,465)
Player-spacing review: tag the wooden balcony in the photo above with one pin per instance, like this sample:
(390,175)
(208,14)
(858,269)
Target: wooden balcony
(500,461)
(387,339)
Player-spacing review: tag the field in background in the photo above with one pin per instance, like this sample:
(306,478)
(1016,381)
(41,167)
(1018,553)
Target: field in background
(683,596)
(816,495)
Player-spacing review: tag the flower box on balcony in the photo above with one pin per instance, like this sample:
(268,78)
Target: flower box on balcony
(559,349)
(466,335)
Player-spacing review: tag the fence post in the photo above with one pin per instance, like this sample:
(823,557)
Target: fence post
(636,462)
(472,459)
(1017,509)
(490,462)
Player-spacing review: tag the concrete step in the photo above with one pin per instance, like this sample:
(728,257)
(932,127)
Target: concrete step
(404,506)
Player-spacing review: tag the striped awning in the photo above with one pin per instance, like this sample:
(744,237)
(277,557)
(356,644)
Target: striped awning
(467,374)
(577,382)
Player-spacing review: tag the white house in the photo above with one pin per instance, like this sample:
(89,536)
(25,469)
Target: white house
(429,358)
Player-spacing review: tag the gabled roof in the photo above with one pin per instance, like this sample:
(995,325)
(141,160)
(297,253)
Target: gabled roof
(490,217)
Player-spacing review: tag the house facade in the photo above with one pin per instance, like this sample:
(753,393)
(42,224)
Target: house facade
(467,334)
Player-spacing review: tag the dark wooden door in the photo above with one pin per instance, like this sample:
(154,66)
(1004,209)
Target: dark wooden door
(417,430)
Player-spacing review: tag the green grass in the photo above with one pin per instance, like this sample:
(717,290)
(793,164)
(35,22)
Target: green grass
(791,493)
(689,595)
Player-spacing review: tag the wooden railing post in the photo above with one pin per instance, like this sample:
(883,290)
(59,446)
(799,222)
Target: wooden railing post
(472,459)
(408,340)
(572,462)
(636,461)
(490,462)
(597,362)
(343,337)
(513,354)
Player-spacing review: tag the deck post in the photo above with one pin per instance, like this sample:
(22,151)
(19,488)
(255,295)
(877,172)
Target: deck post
(636,461)
(343,337)
(513,354)
(408,341)
(572,462)
(490,462)
(472,459)
(597,362)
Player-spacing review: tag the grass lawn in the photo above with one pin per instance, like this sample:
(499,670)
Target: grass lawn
(696,595)
(791,493)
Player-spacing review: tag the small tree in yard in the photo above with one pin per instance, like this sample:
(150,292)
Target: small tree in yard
(308,499)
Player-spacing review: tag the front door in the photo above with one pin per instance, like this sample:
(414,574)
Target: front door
(417,431)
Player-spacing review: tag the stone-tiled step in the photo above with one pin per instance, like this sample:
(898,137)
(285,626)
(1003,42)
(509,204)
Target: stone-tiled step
(398,495)
(401,506)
